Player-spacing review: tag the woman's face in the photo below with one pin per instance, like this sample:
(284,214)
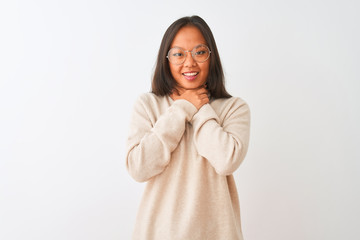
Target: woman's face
(190,74)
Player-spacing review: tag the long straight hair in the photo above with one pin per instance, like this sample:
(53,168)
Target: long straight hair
(163,82)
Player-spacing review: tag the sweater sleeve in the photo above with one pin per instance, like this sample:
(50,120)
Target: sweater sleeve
(225,145)
(149,145)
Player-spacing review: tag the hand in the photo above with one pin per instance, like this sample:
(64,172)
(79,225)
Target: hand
(198,96)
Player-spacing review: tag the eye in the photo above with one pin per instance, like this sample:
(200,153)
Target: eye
(200,52)
(177,54)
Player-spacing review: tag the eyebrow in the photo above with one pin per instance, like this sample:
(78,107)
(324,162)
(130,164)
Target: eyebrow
(192,48)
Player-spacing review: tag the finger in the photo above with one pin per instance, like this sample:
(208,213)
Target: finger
(203,102)
(202,91)
(204,94)
(202,98)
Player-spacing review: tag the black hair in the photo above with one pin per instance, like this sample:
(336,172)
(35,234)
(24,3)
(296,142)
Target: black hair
(163,82)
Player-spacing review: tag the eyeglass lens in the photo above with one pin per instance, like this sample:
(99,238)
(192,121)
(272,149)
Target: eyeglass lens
(200,54)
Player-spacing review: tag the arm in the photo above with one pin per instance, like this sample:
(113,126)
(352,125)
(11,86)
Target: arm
(223,146)
(149,146)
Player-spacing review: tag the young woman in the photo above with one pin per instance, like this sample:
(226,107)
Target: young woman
(186,139)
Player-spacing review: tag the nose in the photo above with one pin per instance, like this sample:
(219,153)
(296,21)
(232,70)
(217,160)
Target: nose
(189,60)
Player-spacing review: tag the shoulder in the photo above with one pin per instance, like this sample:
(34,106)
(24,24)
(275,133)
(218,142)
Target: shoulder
(146,96)
(230,108)
(152,104)
(229,104)
(148,99)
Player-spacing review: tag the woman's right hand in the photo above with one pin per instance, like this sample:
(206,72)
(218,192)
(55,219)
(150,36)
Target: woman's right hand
(198,97)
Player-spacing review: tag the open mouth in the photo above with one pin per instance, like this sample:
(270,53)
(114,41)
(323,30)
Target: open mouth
(190,74)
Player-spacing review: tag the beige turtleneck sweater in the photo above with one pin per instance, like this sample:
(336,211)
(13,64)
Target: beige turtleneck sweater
(187,156)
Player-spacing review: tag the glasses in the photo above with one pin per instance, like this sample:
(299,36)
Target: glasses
(200,54)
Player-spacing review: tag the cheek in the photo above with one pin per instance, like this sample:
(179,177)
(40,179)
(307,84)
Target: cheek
(175,70)
(205,69)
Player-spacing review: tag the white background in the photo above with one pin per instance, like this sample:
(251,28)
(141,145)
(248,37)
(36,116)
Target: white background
(71,70)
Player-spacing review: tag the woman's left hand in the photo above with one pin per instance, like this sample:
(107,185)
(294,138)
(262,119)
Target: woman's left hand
(198,96)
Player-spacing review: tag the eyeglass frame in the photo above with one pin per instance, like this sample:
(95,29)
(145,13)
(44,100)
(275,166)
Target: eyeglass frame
(192,54)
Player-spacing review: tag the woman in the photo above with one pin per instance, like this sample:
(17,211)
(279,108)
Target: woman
(186,139)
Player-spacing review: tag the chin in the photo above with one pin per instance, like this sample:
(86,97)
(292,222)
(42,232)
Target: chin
(192,85)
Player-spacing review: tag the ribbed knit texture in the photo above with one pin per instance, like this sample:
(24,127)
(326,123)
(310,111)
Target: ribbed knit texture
(187,156)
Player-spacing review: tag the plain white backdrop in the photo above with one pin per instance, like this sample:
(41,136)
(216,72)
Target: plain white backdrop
(71,70)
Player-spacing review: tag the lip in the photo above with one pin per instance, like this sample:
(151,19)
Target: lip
(190,77)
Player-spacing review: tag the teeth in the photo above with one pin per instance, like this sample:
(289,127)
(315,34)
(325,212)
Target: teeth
(190,74)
